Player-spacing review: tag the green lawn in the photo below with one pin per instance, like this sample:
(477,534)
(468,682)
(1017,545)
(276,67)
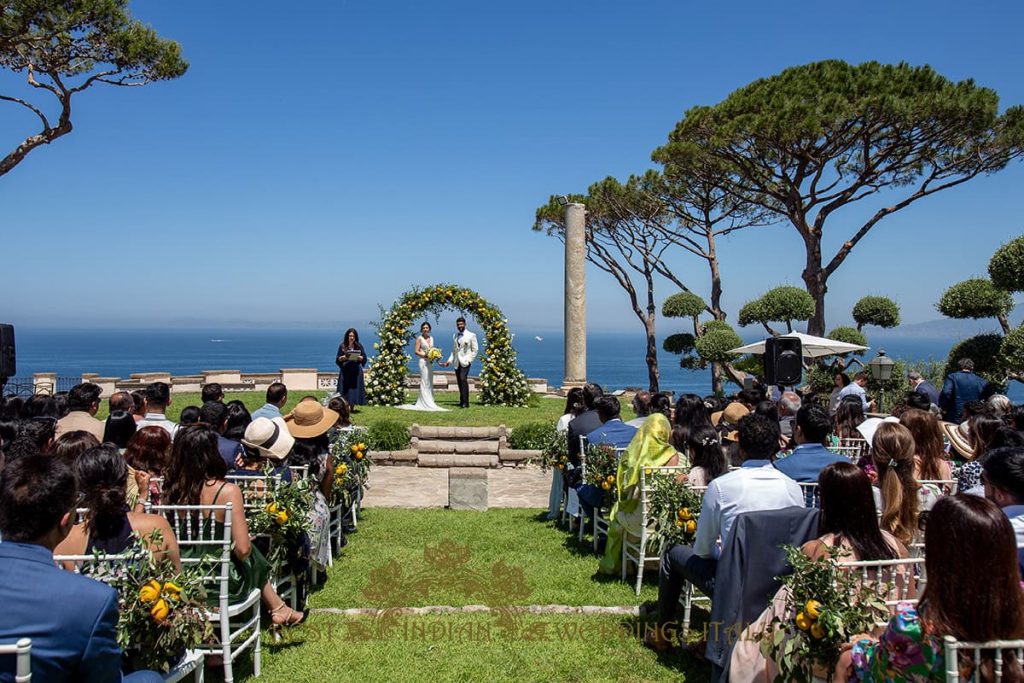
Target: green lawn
(468,647)
(543,410)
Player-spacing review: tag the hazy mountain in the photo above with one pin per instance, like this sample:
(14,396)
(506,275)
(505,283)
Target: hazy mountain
(948,327)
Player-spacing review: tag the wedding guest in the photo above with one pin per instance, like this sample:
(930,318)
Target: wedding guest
(267,444)
(215,415)
(196,477)
(573,409)
(650,448)
(756,485)
(119,429)
(999,405)
(848,416)
(584,423)
(930,461)
(33,436)
(189,415)
(788,405)
(158,397)
(920,385)
(960,599)
(149,451)
(139,404)
(213,392)
(40,405)
(690,413)
(915,400)
(810,457)
(960,388)
(661,403)
(83,402)
(309,425)
(1003,475)
(71,619)
(71,445)
(641,408)
(1017,417)
(613,431)
(277,396)
(898,495)
(109,524)
(856,389)
(725,423)
(344,411)
(238,420)
(351,358)
(981,432)
(705,453)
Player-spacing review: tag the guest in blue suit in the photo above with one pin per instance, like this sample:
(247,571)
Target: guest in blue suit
(612,432)
(960,388)
(810,457)
(71,619)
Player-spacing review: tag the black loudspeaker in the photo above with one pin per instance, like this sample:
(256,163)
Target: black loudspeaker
(783,361)
(7,357)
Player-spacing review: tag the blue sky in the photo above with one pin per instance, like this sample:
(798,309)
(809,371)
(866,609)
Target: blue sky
(315,163)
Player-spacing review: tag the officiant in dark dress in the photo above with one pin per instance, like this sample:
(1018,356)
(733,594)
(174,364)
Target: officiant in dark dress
(351,358)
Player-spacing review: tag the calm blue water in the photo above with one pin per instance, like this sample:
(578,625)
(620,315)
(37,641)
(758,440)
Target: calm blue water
(615,360)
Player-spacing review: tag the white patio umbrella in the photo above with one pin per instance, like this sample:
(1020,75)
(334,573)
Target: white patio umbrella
(812,347)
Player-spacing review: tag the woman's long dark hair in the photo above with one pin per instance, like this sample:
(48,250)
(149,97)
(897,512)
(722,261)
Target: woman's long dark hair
(344,340)
(661,403)
(149,450)
(928,446)
(70,446)
(705,451)
(238,419)
(849,415)
(101,473)
(195,460)
(574,402)
(973,590)
(983,430)
(119,428)
(690,414)
(306,452)
(848,511)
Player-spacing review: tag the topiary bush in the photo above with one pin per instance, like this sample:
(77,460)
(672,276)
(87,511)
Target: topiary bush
(880,311)
(1006,267)
(1011,353)
(681,342)
(683,305)
(849,335)
(714,345)
(387,435)
(975,298)
(781,304)
(819,379)
(532,436)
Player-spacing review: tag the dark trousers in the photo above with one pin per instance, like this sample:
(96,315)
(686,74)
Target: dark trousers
(680,564)
(462,377)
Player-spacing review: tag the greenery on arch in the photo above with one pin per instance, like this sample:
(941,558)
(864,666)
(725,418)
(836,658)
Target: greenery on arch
(501,382)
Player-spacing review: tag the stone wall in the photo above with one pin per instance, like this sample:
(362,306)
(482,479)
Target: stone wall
(296,379)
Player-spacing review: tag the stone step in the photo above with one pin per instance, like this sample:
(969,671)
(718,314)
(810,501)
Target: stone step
(458,460)
(424,446)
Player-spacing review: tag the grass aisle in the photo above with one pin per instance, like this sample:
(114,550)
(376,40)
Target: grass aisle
(470,647)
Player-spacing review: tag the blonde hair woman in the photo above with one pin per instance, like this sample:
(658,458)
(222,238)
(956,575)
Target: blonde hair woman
(896,492)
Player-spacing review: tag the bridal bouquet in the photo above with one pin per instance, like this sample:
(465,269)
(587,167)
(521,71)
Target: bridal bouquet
(433,355)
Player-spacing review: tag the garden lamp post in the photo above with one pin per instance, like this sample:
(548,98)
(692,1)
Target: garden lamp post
(881,371)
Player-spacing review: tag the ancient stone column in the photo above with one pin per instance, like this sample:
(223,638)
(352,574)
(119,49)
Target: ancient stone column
(575,298)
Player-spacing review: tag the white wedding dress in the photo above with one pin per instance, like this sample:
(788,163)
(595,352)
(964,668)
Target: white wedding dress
(425,401)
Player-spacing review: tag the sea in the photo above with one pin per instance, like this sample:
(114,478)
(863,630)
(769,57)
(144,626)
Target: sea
(614,359)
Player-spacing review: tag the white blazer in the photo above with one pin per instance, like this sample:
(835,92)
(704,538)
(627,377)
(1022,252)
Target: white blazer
(464,349)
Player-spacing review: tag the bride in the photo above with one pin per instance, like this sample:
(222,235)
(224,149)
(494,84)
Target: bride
(425,401)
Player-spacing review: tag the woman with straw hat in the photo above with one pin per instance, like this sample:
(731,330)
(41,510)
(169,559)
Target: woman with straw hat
(309,424)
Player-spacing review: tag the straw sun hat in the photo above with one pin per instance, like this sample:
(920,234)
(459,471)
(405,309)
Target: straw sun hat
(310,419)
(270,437)
(959,438)
(733,413)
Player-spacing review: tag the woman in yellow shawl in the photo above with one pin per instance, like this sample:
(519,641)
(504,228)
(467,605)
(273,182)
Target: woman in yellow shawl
(649,448)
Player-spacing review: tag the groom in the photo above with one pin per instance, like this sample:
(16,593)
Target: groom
(463,354)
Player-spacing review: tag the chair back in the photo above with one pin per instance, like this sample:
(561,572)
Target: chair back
(299,472)
(851,453)
(895,581)
(861,445)
(202,542)
(254,488)
(940,487)
(978,654)
(22,650)
(812,496)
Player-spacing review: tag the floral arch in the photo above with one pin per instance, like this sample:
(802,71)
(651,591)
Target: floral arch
(501,382)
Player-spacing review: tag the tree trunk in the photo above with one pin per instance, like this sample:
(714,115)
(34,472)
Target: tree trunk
(716,379)
(653,374)
(815,281)
(716,280)
(1004,322)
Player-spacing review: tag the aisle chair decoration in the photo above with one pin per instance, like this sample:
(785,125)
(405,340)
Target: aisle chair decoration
(282,516)
(674,511)
(599,468)
(349,448)
(162,613)
(825,608)
(608,485)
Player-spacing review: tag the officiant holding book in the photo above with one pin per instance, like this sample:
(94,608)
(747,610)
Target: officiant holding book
(351,359)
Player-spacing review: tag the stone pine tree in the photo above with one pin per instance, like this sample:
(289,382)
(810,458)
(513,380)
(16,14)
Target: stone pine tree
(781,304)
(710,341)
(813,141)
(64,47)
(997,357)
(625,238)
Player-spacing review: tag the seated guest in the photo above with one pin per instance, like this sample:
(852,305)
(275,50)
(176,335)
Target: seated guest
(215,415)
(1003,475)
(71,445)
(109,525)
(999,405)
(139,403)
(149,451)
(71,619)
(898,495)
(981,432)
(847,530)
(309,425)
(158,397)
(810,457)
(849,415)
(725,422)
(40,405)
(706,457)
(213,392)
(584,424)
(119,429)
(189,415)
(277,396)
(973,593)
(267,442)
(121,400)
(690,413)
(573,408)
(641,408)
(339,405)
(650,448)
(661,403)
(196,477)
(756,485)
(930,460)
(238,421)
(613,431)
(83,402)
(788,405)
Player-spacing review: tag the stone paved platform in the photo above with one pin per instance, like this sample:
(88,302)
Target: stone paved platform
(427,487)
